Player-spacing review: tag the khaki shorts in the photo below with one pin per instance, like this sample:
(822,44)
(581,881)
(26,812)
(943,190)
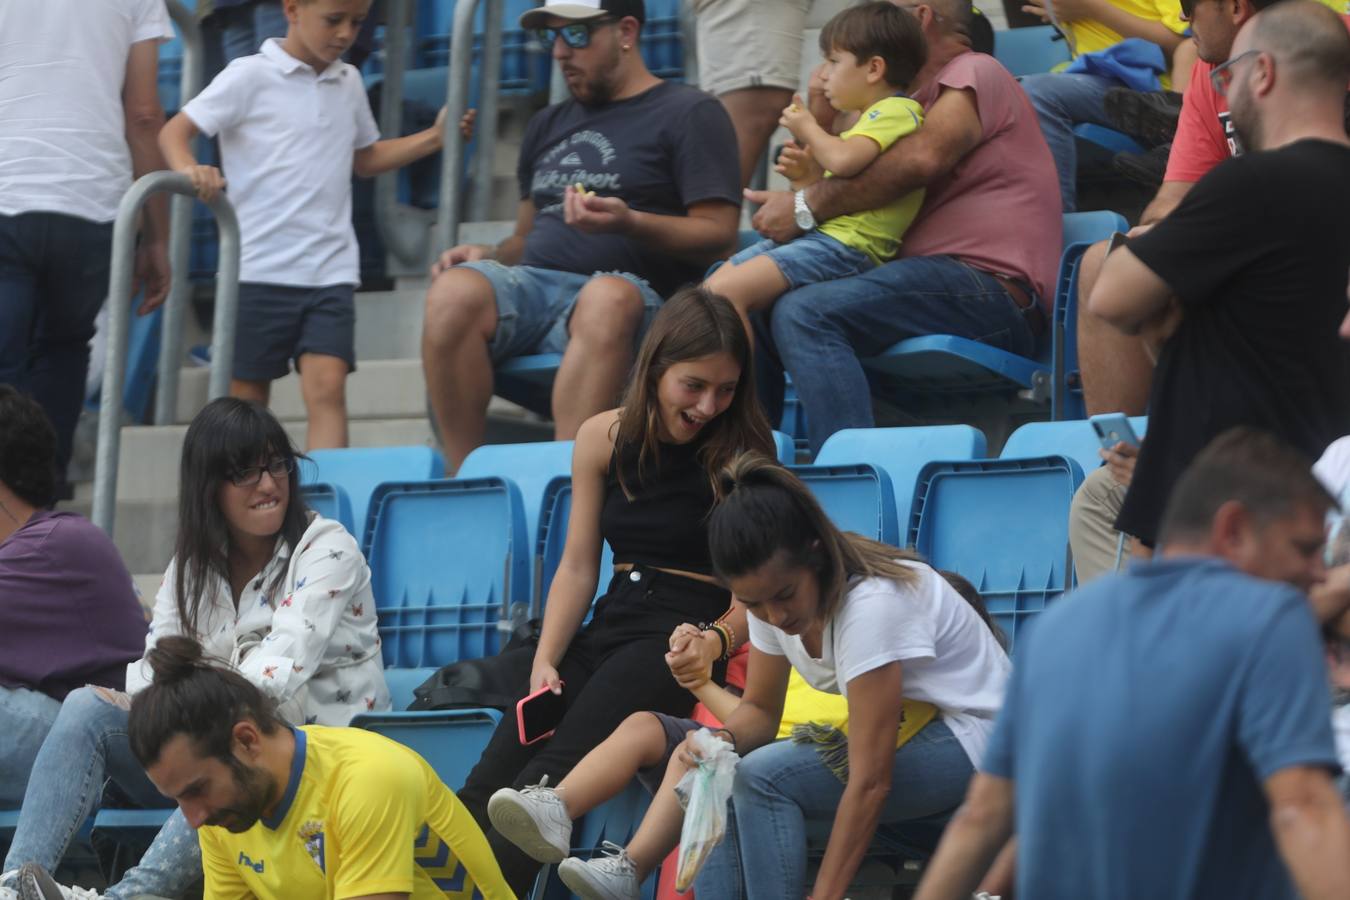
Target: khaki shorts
(749,43)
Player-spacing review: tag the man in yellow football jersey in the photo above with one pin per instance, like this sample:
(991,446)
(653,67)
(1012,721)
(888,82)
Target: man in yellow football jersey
(287,812)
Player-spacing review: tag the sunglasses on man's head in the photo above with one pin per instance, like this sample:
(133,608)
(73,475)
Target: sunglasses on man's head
(576,35)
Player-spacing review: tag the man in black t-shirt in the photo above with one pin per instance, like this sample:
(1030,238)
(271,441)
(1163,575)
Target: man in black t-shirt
(628,190)
(1246,279)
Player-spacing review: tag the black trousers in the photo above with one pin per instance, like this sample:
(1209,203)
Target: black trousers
(615,667)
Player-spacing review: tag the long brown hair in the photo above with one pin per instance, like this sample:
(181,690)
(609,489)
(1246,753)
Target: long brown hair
(767,510)
(690,325)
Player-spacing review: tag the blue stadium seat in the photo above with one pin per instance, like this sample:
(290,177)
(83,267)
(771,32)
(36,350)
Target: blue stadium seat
(1081,230)
(1003,524)
(1074,439)
(449,560)
(936,373)
(129,832)
(1029,51)
(450,740)
(902,452)
(552,537)
(359,470)
(856,497)
(331,502)
(530,465)
(528,381)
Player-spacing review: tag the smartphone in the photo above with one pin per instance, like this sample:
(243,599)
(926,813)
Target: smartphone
(1118,239)
(1112,428)
(539,714)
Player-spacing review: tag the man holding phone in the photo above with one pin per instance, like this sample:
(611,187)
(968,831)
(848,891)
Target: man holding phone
(1250,311)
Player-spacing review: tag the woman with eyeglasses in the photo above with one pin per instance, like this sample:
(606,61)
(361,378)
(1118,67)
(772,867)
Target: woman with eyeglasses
(262,583)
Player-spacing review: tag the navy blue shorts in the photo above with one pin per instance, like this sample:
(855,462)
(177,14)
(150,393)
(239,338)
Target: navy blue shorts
(279,323)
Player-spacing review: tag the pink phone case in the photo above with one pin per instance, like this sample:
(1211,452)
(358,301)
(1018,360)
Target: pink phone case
(520,718)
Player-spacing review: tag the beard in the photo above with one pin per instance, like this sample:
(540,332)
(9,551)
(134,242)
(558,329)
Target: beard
(599,89)
(254,790)
(1246,120)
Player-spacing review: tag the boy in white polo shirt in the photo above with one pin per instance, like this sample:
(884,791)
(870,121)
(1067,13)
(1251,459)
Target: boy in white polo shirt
(294,123)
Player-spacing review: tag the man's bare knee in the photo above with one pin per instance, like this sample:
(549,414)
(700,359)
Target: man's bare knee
(608,311)
(460,302)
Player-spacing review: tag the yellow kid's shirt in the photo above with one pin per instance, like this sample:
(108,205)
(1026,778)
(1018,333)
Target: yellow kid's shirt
(1089,36)
(361,815)
(804,704)
(877,232)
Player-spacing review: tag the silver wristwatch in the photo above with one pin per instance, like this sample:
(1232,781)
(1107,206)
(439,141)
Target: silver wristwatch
(801,212)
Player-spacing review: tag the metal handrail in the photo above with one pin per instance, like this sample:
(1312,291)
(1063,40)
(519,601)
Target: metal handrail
(119,313)
(412,235)
(180,231)
(450,212)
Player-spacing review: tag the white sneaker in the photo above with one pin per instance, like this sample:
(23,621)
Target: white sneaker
(534,819)
(609,877)
(7,882)
(36,884)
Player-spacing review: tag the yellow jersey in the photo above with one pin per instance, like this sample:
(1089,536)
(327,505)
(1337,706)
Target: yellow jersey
(877,232)
(361,815)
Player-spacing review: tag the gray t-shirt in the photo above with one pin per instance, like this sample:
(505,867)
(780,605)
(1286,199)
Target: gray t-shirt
(661,151)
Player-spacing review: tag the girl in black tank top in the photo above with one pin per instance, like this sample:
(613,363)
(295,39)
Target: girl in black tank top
(643,480)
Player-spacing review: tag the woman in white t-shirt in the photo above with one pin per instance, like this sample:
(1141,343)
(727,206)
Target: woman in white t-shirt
(857,618)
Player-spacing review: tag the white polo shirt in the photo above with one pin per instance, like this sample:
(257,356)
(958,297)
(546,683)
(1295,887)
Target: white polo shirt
(63,145)
(287,137)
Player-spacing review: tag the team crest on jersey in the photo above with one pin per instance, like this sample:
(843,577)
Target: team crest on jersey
(312,834)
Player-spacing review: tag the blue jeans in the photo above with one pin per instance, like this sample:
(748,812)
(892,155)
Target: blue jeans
(244,28)
(87,743)
(810,259)
(1063,100)
(783,786)
(819,334)
(53,279)
(534,306)
(25,718)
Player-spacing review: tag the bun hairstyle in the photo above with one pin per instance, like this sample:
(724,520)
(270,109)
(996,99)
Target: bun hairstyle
(766,511)
(193,695)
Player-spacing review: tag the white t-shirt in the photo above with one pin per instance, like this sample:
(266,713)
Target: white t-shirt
(949,657)
(63,145)
(309,642)
(287,137)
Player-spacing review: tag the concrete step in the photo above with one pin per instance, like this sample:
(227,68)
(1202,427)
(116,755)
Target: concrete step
(378,389)
(144,531)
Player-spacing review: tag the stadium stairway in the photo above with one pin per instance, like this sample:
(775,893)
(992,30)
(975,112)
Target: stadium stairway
(387,406)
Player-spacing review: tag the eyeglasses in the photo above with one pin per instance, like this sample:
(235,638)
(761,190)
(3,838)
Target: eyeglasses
(279,468)
(576,35)
(1222,76)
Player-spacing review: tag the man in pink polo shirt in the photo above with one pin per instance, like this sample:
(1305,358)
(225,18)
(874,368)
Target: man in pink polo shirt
(979,261)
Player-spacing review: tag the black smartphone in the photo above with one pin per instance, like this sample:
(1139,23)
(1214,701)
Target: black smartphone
(1118,239)
(539,714)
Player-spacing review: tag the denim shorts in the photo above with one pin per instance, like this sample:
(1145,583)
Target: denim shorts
(810,259)
(533,306)
(279,323)
(676,730)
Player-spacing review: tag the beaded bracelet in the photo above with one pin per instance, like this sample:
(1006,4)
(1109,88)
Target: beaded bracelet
(721,636)
(731,634)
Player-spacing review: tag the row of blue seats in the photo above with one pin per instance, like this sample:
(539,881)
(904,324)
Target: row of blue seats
(452,558)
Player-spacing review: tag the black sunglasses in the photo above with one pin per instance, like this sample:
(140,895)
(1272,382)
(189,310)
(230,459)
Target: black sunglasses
(279,468)
(576,35)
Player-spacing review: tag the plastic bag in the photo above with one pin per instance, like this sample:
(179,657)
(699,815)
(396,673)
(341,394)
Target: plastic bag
(703,792)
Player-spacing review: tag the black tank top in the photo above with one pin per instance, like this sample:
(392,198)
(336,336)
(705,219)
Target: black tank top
(666,523)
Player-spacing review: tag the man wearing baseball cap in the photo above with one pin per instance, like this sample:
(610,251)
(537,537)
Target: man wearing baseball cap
(628,189)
